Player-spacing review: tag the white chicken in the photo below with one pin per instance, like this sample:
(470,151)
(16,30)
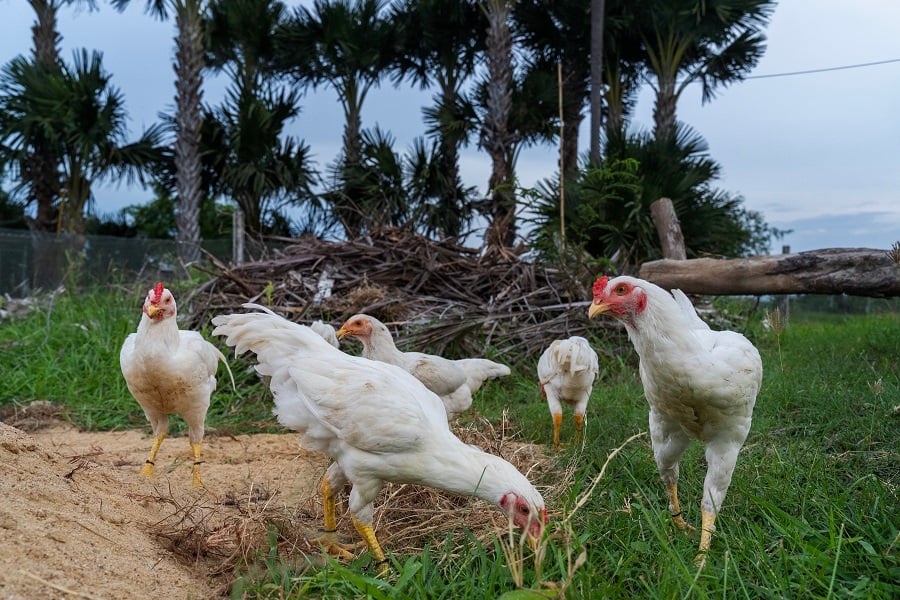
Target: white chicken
(566,371)
(326,331)
(378,423)
(453,380)
(699,383)
(170,371)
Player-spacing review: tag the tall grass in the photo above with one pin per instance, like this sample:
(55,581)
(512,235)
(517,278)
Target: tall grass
(812,511)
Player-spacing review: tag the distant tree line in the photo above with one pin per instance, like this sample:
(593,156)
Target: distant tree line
(505,75)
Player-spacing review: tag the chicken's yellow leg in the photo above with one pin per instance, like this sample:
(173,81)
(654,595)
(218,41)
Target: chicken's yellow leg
(672,490)
(579,425)
(147,469)
(557,422)
(707,528)
(329,518)
(328,536)
(368,535)
(195,470)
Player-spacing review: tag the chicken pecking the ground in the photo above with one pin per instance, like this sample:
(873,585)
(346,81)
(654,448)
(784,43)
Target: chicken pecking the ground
(455,381)
(376,422)
(699,384)
(566,371)
(170,371)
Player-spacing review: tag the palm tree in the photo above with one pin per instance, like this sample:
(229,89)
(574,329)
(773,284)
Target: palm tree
(40,167)
(255,165)
(82,118)
(496,137)
(714,42)
(347,44)
(258,168)
(437,47)
(189,64)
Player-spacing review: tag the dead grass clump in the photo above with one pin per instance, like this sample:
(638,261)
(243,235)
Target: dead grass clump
(357,299)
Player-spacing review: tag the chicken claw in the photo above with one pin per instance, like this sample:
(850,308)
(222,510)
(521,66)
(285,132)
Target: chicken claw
(330,544)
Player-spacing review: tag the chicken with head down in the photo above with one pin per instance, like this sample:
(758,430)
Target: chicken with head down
(376,422)
(566,372)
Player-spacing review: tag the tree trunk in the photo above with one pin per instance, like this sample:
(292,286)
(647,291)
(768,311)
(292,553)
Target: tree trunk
(496,138)
(671,239)
(188,95)
(450,200)
(664,108)
(854,271)
(615,102)
(598,9)
(41,167)
(574,93)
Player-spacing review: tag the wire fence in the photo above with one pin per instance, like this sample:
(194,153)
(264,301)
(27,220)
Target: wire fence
(35,261)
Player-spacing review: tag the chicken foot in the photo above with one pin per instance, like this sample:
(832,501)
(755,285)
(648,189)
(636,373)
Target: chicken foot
(328,536)
(675,509)
(147,469)
(579,426)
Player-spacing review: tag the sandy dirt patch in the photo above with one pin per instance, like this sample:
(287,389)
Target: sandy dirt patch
(77,519)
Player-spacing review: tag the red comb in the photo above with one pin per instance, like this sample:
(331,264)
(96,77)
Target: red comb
(157,293)
(600,285)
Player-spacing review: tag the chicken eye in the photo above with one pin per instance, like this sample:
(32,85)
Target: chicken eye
(523,510)
(621,290)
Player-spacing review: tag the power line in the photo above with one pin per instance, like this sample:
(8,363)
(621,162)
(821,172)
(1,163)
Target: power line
(857,66)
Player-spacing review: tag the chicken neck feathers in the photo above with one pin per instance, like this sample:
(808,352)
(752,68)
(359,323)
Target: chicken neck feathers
(705,379)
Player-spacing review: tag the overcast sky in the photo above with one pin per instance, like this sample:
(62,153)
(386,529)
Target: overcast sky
(816,153)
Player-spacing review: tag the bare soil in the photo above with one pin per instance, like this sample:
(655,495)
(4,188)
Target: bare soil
(78,521)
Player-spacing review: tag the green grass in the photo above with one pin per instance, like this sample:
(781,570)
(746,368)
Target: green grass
(67,352)
(812,511)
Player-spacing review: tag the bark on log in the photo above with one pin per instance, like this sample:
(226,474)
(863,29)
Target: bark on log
(668,228)
(854,271)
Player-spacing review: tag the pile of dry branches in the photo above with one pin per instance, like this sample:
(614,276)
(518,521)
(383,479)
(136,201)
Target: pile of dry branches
(435,295)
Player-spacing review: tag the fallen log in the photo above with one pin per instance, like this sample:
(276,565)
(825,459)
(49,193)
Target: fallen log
(853,271)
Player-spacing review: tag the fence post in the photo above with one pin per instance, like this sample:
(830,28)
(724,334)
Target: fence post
(237,236)
(785,301)
(668,228)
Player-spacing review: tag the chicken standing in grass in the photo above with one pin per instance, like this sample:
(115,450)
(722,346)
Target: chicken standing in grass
(170,371)
(566,372)
(699,383)
(376,422)
(453,380)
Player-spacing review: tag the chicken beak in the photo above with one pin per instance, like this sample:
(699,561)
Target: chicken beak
(532,541)
(342,333)
(597,308)
(152,309)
